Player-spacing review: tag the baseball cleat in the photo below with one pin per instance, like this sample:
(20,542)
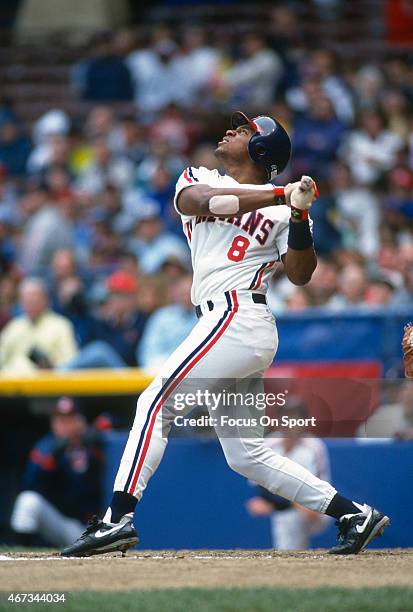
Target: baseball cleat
(357,530)
(100,537)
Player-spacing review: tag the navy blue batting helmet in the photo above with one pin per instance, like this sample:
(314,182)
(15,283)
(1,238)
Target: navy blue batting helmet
(269,146)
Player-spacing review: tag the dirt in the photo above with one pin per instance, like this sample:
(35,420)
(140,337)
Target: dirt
(236,568)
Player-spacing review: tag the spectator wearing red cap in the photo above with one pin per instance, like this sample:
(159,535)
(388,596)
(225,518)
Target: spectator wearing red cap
(119,327)
(62,482)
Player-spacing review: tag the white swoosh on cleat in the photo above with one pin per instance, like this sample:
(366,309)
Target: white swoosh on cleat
(100,534)
(361,528)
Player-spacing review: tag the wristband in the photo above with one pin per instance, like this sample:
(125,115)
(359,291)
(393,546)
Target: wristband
(279,195)
(299,236)
(297,213)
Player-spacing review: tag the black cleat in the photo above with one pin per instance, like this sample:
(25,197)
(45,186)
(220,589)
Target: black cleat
(357,530)
(101,537)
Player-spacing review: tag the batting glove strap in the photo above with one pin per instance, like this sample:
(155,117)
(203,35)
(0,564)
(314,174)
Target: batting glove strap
(299,214)
(279,195)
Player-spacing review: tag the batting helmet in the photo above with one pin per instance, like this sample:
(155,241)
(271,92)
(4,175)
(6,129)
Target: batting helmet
(269,146)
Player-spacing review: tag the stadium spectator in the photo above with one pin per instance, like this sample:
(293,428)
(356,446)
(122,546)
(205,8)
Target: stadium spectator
(200,60)
(352,289)
(324,65)
(370,150)
(380,292)
(49,133)
(324,283)
(392,420)
(254,78)
(130,141)
(119,328)
(104,170)
(38,338)
(101,124)
(159,75)
(47,229)
(398,202)
(316,139)
(168,326)
(359,211)
(14,148)
(62,481)
(152,246)
(292,525)
(104,77)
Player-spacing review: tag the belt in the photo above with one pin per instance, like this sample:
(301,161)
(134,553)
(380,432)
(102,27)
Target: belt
(257,298)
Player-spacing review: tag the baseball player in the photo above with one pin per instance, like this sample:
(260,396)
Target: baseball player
(238,226)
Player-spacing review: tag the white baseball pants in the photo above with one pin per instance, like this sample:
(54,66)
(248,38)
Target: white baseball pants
(236,340)
(291,529)
(33,514)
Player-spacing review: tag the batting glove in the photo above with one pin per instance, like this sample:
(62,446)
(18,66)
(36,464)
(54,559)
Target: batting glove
(300,196)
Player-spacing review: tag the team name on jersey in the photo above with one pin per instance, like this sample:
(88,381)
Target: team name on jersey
(254,223)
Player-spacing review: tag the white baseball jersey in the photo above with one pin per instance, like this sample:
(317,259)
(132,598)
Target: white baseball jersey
(234,252)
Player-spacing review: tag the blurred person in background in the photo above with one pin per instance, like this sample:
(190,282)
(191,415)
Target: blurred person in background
(69,295)
(352,288)
(284,38)
(130,141)
(324,283)
(62,482)
(119,327)
(394,107)
(38,338)
(293,525)
(173,128)
(104,76)
(394,420)
(366,82)
(370,150)
(47,228)
(151,244)
(101,124)
(299,300)
(323,63)
(317,137)
(254,77)
(159,74)
(14,148)
(52,127)
(380,293)
(398,201)
(200,60)
(359,211)
(168,326)
(326,231)
(104,170)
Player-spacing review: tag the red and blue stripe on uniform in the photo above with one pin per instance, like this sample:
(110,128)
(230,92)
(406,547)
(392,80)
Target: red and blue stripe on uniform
(257,280)
(173,381)
(189,175)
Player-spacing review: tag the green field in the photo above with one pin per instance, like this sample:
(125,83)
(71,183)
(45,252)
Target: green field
(386,599)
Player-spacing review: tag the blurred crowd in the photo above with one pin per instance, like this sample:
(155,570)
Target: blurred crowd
(91,250)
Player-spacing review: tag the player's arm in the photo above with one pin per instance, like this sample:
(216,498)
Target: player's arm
(204,200)
(299,264)
(300,260)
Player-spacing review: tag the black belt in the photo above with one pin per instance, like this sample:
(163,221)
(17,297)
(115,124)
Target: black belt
(257,298)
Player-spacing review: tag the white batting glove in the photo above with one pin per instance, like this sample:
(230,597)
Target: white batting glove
(301,197)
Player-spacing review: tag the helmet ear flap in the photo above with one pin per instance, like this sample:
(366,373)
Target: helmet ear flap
(260,149)
(257,149)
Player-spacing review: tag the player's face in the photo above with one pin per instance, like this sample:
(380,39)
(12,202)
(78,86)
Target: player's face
(235,142)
